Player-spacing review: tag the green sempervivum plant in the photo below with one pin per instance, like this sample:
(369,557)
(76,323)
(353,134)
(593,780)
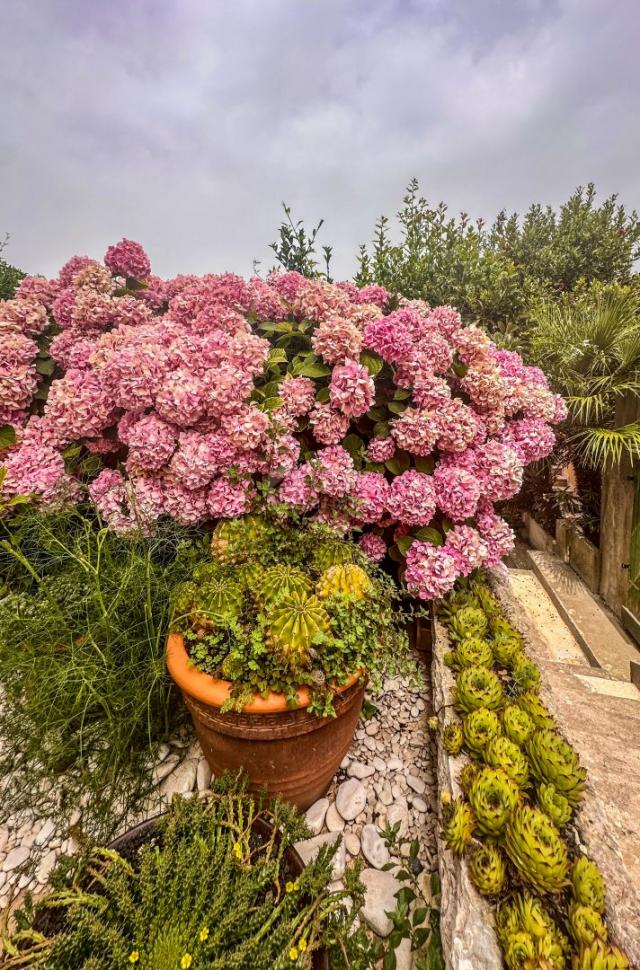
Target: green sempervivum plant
(487,869)
(294,623)
(517,724)
(536,849)
(282,580)
(457,823)
(452,739)
(493,796)
(599,956)
(588,884)
(467,775)
(528,935)
(486,600)
(554,761)
(525,674)
(502,753)
(470,621)
(472,652)
(530,703)
(212,890)
(479,727)
(586,924)
(458,600)
(506,650)
(478,687)
(554,804)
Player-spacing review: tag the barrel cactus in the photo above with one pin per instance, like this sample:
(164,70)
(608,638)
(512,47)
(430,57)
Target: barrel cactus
(452,739)
(205,607)
(472,652)
(478,728)
(599,956)
(493,796)
(588,884)
(293,623)
(332,552)
(487,869)
(249,574)
(457,824)
(517,724)
(530,703)
(347,580)
(586,924)
(282,580)
(467,774)
(238,540)
(470,621)
(536,849)
(478,687)
(554,804)
(525,673)
(554,761)
(503,753)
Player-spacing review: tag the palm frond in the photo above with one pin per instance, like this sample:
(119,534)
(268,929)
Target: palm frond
(602,447)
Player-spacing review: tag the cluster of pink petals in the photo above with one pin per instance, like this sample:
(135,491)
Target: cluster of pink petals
(164,380)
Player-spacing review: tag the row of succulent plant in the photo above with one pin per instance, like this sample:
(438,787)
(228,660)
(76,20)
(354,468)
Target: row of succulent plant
(521,785)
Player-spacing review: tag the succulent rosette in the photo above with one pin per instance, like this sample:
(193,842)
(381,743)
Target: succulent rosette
(517,724)
(452,739)
(502,753)
(478,687)
(479,727)
(457,824)
(554,803)
(555,762)
(588,884)
(493,797)
(487,869)
(536,849)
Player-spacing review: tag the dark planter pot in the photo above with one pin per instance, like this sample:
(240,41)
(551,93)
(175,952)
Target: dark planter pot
(128,844)
(285,751)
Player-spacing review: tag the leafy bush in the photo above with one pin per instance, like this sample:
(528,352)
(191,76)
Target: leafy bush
(85,696)
(273,619)
(10,276)
(210,890)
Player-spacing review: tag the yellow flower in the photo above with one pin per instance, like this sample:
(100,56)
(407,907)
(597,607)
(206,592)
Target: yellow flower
(237,850)
(292,887)
(186,961)
(302,945)
(293,953)
(134,956)
(204,934)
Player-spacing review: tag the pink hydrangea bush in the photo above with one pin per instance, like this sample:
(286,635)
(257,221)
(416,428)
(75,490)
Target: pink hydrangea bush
(206,396)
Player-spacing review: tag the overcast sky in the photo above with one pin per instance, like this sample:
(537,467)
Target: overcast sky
(184,123)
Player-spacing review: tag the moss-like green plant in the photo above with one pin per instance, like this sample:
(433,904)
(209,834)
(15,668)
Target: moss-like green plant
(457,824)
(479,727)
(536,849)
(452,739)
(530,703)
(212,891)
(517,724)
(586,924)
(588,884)
(493,797)
(502,753)
(555,762)
(478,687)
(599,956)
(470,621)
(554,804)
(487,869)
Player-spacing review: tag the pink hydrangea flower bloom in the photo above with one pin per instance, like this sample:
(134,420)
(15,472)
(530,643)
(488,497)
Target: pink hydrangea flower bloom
(298,394)
(351,389)
(228,500)
(412,498)
(297,488)
(373,546)
(246,427)
(73,266)
(370,496)
(337,340)
(457,492)
(381,449)
(334,473)
(416,431)
(467,547)
(389,338)
(431,571)
(329,426)
(151,443)
(128,258)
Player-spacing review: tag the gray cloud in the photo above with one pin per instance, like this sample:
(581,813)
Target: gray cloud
(184,124)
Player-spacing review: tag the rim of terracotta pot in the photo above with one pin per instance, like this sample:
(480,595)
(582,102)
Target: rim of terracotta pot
(210,690)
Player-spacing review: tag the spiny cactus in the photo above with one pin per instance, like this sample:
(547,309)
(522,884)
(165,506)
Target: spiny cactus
(249,574)
(505,754)
(493,797)
(470,621)
(238,540)
(586,924)
(457,824)
(282,580)
(555,761)
(554,804)
(478,687)
(452,739)
(207,606)
(530,703)
(588,884)
(487,869)
(467,774)
(479,727)
(332,552)
(293,623)
(536,849)
(599,956)
(472,652)
(517,724)
(347,580)
(525,673)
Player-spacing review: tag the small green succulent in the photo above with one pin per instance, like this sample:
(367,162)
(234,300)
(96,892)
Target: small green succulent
(470,621)
(478,687)
(586,924)
(472,652)
(452,739)
(536,849)
(599,956)
(457,824)
(517,724)
(493,797)
(525,674)
(554,804)
(588,884)
(554,761)
(523,924)
(506,650)
(466,776)
(487,869)
(503,753)
(479,727)
(530,703)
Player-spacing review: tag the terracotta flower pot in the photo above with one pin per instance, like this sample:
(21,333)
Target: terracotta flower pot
(287,751)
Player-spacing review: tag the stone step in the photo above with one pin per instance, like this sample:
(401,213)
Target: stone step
(604,643)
